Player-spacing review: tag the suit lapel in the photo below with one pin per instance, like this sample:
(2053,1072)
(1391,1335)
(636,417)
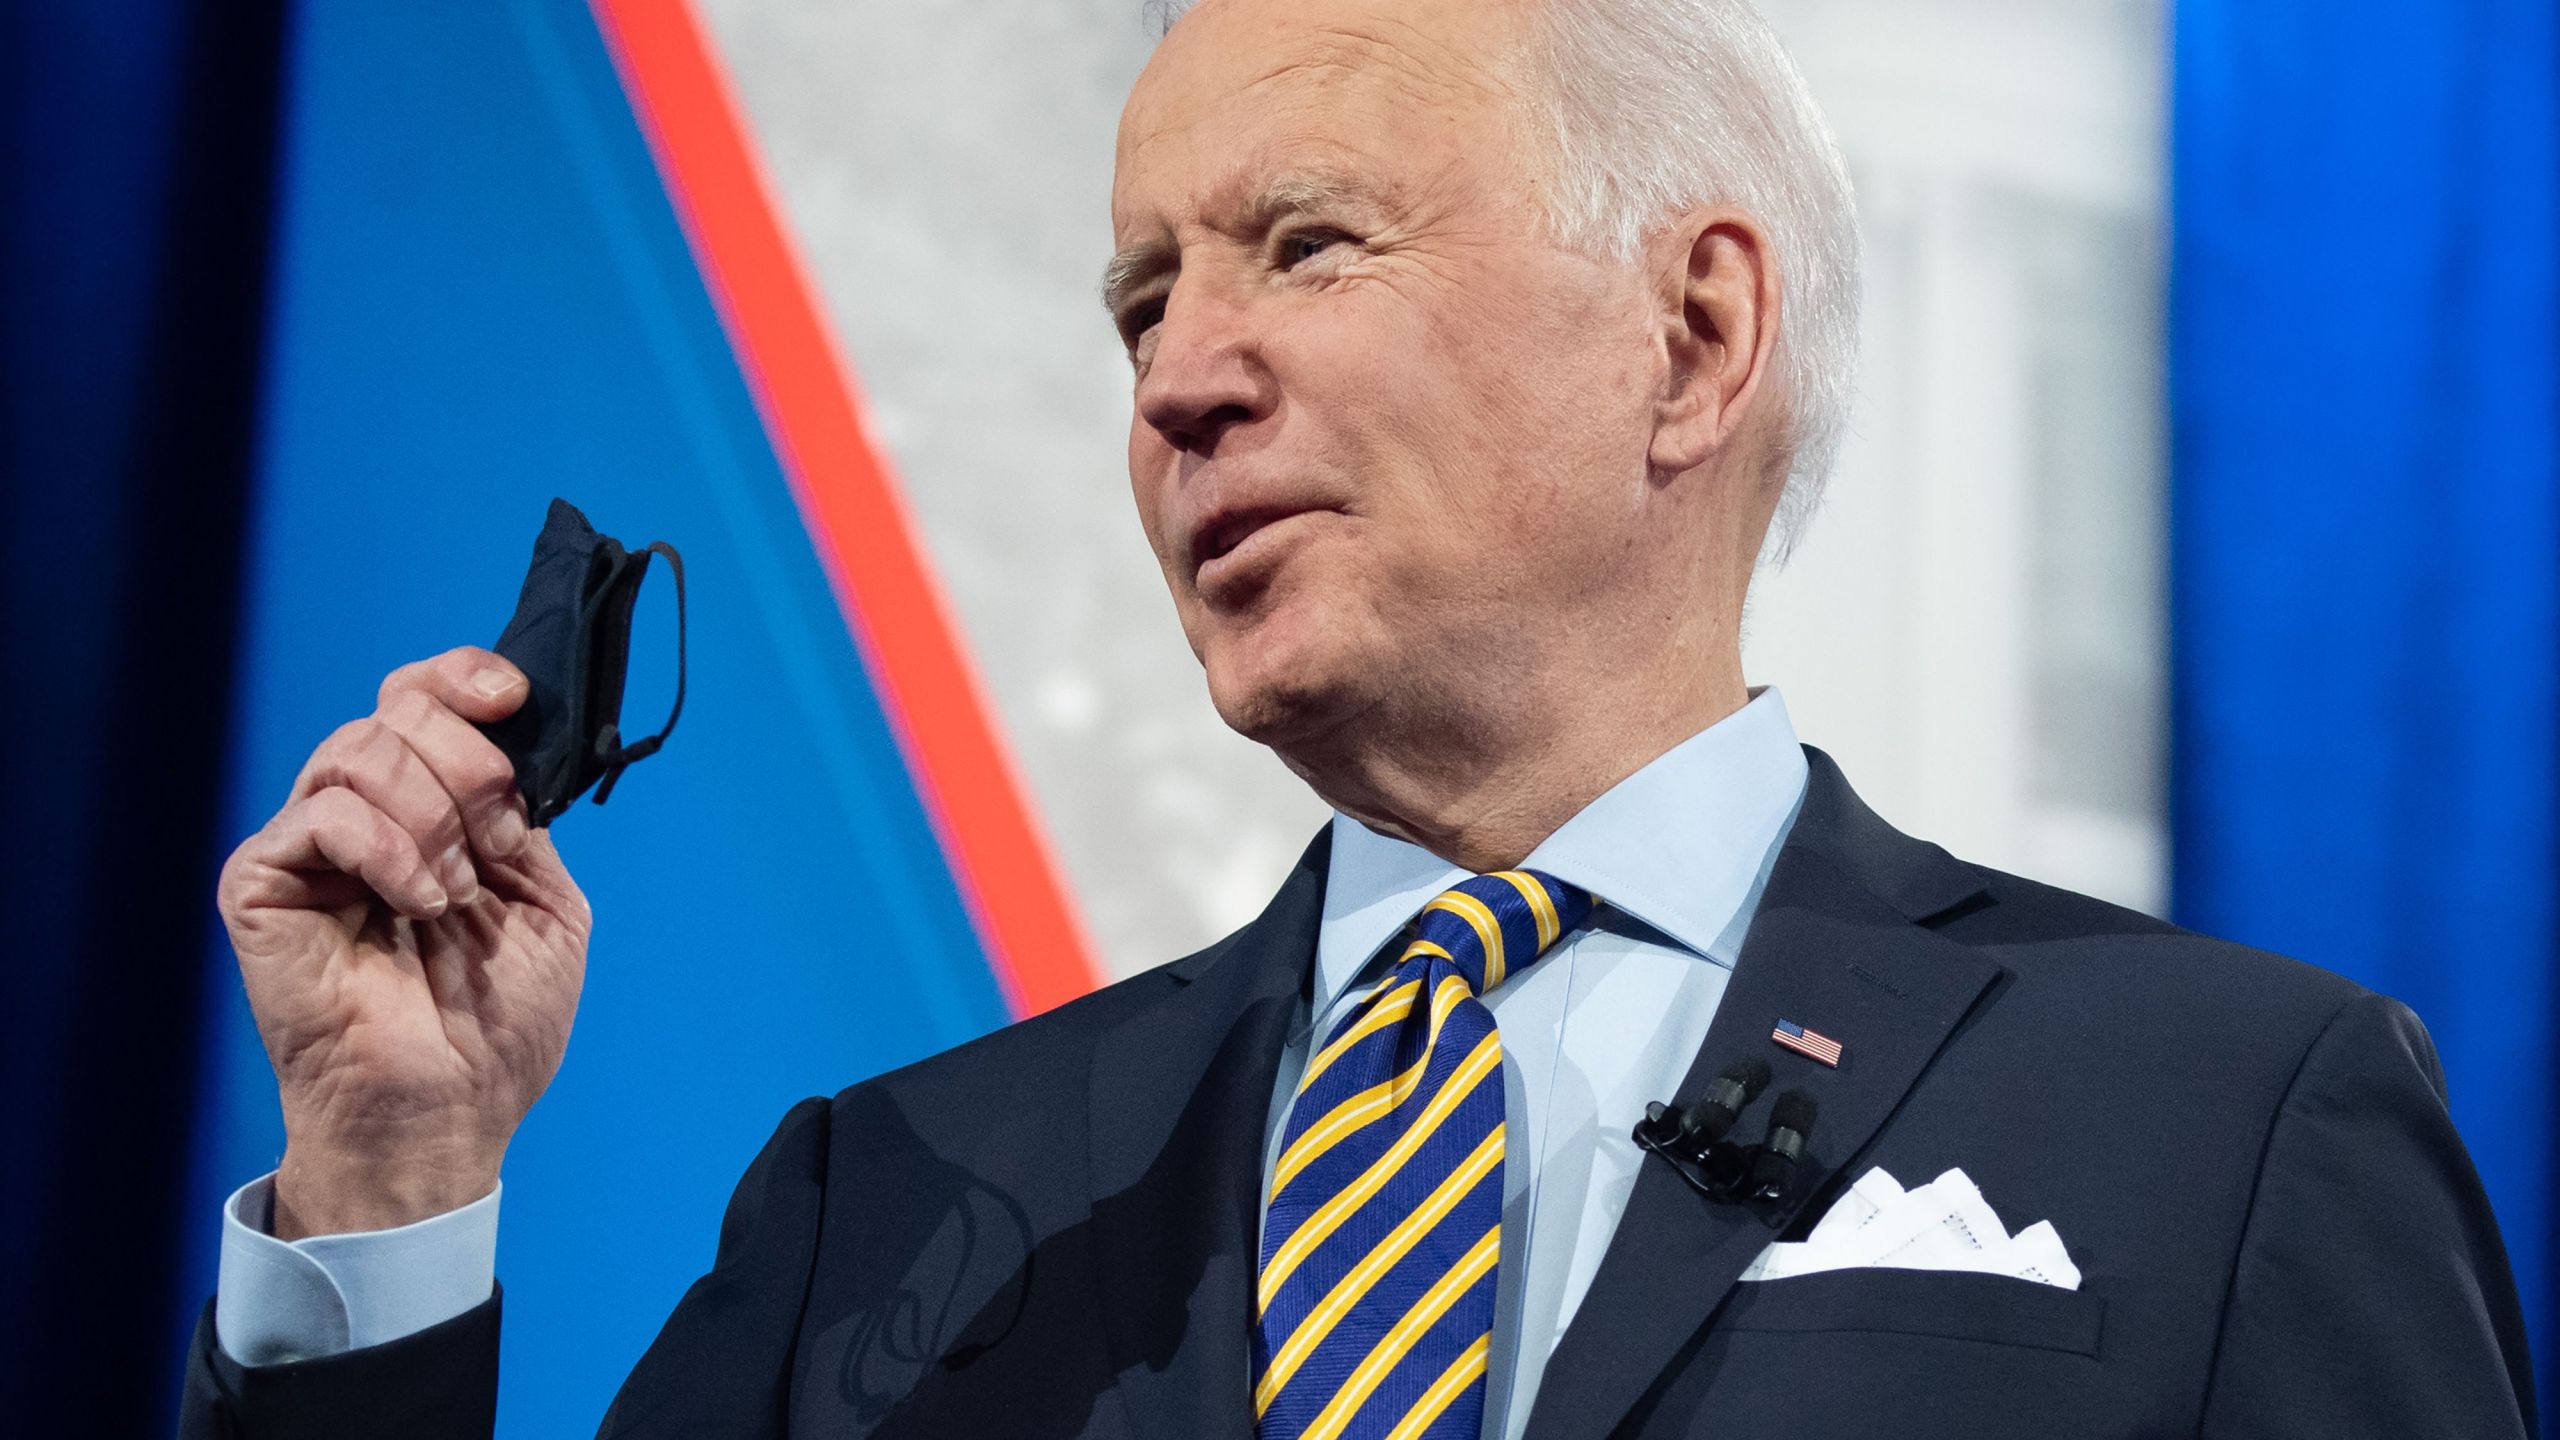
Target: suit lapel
(1835,947)
(1181,1092)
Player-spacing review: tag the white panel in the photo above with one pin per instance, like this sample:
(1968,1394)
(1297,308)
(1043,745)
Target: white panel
(1973,623)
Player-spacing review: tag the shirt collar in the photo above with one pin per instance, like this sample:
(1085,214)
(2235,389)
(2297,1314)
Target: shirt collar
(1682,845)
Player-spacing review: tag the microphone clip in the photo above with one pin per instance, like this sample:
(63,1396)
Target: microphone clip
(1715,1168)
(1694,1141)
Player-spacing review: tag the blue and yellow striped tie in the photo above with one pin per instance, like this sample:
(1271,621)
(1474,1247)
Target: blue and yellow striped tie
(1385,1224)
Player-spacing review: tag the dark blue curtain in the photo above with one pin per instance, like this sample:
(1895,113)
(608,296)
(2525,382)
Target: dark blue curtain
(134,182)
(2365,379)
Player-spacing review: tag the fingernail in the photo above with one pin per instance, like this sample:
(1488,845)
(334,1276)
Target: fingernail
(464,885)
(507,832)
(493,682)
(436,899)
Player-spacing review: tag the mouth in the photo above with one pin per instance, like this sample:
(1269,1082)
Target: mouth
(1225,531)
(1237,551)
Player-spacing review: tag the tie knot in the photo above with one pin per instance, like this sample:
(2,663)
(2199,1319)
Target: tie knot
(1487,926)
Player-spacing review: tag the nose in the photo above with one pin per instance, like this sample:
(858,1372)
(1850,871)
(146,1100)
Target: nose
(1205,375)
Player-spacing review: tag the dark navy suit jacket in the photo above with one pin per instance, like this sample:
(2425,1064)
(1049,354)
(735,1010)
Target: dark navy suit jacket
(1049,1232)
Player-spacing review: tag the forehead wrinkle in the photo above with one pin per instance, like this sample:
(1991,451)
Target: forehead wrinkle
(1401,54)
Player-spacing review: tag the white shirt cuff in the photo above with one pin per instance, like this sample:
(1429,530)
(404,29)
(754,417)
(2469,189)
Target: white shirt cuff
(280,1300)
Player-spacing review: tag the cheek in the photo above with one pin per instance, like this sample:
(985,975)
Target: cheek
(1474,430)
(1557,404)
(1484,387)
(1374,401)
(1546,384)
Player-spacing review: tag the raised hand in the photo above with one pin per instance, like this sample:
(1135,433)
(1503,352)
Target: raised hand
(413,953)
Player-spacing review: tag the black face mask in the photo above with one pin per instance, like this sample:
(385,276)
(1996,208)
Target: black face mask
(571,635)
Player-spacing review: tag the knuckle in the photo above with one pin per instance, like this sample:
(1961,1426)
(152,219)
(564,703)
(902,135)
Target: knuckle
(465,761)
(389,847)
(399,682)
(335,808)
(429,822)
(408,711)
(343,743)
(356,821)
(443,830)
(484,770)
(384,753)
(320,767)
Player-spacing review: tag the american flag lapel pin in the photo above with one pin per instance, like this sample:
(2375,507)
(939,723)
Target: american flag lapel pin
(1807,1042)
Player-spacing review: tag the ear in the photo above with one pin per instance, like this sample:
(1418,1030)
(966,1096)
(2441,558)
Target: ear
(1718,291)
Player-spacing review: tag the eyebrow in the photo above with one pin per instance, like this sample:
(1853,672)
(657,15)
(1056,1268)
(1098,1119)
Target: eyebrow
(1295,192)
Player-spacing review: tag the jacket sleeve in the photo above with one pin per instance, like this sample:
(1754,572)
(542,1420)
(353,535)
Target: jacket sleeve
(2372,1295)
(721,1366)
(438,1384)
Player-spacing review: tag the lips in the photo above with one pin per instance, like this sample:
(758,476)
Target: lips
(1227,528)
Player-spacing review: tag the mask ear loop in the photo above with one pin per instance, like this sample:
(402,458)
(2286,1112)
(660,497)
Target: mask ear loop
(616,756)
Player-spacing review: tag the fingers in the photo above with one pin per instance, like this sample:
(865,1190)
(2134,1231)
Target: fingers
(476,684)
(402,798)
(428,702)
(374,761)
(475,774)
(335,828)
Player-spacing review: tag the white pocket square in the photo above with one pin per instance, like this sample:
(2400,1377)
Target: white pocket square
(1943,1225)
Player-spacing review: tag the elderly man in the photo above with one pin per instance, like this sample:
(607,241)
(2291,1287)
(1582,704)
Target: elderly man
(1478,346)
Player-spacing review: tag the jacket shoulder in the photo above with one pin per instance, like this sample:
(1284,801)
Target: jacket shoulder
(2065,945)
(1043,1058)
(2058,934)
(1040,1059)
(1026,1056)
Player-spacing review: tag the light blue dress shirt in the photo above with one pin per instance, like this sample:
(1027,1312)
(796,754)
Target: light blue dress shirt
(1609,1019)
(278,1300)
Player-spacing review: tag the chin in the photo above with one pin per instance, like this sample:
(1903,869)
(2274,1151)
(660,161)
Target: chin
(1281,679)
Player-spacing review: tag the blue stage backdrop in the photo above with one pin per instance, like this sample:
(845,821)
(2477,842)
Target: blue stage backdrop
(2365,374)
(482,298)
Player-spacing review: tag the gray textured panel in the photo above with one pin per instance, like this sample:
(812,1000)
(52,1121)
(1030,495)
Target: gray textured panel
(946,168)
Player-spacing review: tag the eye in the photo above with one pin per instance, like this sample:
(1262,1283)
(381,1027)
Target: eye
(1138,319)
(1300,246)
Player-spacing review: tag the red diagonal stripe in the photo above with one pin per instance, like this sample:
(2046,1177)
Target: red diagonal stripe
(855,516)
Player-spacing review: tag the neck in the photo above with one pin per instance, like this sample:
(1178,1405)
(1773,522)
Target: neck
(1480,788)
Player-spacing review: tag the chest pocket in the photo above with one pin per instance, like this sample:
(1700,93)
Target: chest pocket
(1950,1305)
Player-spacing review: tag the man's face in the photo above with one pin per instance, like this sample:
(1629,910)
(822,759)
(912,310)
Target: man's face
(1389,441)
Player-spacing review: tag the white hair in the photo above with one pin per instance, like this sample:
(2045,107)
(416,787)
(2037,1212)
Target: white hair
(1657,106)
